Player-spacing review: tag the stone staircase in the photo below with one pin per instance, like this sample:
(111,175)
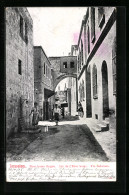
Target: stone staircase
(100,126)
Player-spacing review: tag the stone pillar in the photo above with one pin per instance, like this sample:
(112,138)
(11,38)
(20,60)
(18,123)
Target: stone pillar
(69,100)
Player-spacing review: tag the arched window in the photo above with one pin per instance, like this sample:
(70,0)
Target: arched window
(88,39)
(114,65)
(78,64)
(83,93)
(44,69)
(80,60)
(94,81)
(80,91)
(81,52)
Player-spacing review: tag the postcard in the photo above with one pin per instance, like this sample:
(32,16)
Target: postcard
(61,94)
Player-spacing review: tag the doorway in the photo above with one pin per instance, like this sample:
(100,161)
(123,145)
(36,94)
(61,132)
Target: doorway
(45,110)
(105,90)
(88,93)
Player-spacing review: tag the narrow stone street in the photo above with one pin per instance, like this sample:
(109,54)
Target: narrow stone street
(66,142)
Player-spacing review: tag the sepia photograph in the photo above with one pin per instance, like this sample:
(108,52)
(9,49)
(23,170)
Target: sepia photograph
(61,93)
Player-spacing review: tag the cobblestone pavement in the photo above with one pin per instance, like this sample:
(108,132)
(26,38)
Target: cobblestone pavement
(66,142)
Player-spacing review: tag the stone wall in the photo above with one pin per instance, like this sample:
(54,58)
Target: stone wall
(68,60)
(100,53)
(104,53)
(38,90)
(55,64)
(43,78)
(18,85)
(59,72)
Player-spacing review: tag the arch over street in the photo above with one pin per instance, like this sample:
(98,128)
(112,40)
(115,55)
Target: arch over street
(61,77)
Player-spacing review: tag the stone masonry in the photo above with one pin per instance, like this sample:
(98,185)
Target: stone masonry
(63,67)
(19,68)
(96,55)
(43,80)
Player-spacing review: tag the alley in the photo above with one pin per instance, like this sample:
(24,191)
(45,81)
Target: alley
(66,142)
(74,83)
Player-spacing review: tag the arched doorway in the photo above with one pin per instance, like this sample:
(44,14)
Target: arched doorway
(88,93)
(66,90)
(105,90)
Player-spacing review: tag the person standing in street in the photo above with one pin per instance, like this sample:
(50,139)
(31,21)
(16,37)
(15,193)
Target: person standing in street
(56,114)
(63,112)
(35,114)
(80,110)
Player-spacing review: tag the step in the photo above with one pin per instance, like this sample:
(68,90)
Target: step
(103,127)
(99,126)
(96,129)
(105,123)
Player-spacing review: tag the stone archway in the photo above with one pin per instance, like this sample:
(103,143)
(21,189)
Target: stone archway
(67,97)
(105,90)
(61,77)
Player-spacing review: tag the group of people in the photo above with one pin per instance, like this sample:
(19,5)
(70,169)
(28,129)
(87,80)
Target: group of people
(35,114)
(56,113)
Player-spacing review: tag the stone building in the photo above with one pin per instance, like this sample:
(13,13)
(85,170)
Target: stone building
(43,83)
(97,62)
(65,67)
(19,68)
(72,84)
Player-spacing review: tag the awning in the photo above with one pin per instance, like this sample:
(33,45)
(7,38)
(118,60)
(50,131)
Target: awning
(48,93)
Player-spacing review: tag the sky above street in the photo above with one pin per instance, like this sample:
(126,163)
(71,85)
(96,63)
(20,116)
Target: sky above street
(56,28)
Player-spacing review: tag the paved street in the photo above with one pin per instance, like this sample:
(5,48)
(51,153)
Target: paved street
(66,142)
